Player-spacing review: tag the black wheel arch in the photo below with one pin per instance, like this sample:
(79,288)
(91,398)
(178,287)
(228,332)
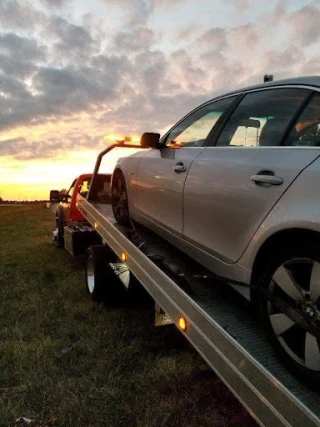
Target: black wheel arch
(116,171)
(284,247)
(123,219)
(292,236)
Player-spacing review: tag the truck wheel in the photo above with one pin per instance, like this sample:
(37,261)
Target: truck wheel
(60,233)
(289,304)
(101,281)
(119,199)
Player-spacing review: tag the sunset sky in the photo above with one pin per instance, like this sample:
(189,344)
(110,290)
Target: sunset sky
(73,71)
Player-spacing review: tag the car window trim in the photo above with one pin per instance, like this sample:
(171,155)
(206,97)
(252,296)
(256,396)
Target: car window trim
(288,128)
(163,140)
(238,95)
(215,132)
(295,118)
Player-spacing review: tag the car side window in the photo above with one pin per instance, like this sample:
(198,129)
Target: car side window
(306,131)
(261,118)
(194,129)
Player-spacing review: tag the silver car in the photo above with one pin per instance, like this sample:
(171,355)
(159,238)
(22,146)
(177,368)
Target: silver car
(236,185)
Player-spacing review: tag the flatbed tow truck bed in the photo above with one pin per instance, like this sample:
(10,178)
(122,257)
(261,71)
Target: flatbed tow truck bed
(219,326)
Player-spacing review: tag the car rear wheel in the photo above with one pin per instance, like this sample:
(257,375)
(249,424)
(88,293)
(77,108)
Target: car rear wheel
(289,303)
(119,199)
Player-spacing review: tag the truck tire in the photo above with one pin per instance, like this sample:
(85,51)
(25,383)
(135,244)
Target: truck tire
(119,199)
(60,231)
(102,283)
(292,276)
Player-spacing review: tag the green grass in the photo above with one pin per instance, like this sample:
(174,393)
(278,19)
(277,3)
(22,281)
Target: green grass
(119,370)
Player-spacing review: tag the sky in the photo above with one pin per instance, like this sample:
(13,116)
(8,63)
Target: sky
(74,71)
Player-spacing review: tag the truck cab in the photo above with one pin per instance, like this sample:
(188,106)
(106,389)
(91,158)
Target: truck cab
(67,213)
(80,186)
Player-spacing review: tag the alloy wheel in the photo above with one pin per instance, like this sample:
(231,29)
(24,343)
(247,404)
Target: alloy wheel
(297,283)
(119,195)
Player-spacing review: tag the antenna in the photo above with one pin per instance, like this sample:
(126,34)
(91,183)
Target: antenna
(267,78)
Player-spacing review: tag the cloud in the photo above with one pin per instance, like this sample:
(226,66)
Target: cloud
(304,23)
(52,93)
(51,144)
(12,147)
(140,38)
(284,63)
(19,14)
(20,47)
(15,67)
(56,3)
(72,87)
(130,81)
(244,36)
(138,12)
(153,72)
(70,38)
(215,38)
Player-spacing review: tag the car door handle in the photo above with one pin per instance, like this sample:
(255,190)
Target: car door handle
(266,179)
(179,167)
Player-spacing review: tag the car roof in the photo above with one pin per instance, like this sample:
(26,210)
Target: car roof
(305,81)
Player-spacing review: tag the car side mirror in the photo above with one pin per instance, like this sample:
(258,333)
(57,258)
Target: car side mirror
(150,140)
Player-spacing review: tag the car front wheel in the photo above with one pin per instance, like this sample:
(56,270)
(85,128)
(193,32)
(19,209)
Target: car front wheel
(289,304)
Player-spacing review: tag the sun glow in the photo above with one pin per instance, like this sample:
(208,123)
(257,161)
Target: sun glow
(32,180)
(49,156)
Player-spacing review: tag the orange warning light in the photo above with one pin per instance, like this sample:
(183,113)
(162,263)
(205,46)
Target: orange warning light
(182,323)
(122,138)
(115,138)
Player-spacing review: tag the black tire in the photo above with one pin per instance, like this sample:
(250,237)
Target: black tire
(288,281)
(119,199)
(60,231)
(102,283)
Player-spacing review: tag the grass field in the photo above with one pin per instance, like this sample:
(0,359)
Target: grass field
(66,361)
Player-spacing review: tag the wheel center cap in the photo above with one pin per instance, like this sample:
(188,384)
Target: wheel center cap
(309,312)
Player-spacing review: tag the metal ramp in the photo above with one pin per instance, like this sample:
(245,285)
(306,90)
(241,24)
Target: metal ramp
(219,327)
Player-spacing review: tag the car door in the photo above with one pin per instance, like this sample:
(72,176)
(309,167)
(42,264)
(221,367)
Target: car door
(162,172)
(232,186)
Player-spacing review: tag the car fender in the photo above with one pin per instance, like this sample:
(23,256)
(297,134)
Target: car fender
(129,167)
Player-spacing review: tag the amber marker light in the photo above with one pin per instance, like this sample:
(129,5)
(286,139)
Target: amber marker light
(182,323)
(115,138)
(122,139)
(95,225)
(136,139)
(123,256)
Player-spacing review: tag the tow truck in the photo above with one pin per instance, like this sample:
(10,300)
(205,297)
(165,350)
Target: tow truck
(223,331)
(73,231)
